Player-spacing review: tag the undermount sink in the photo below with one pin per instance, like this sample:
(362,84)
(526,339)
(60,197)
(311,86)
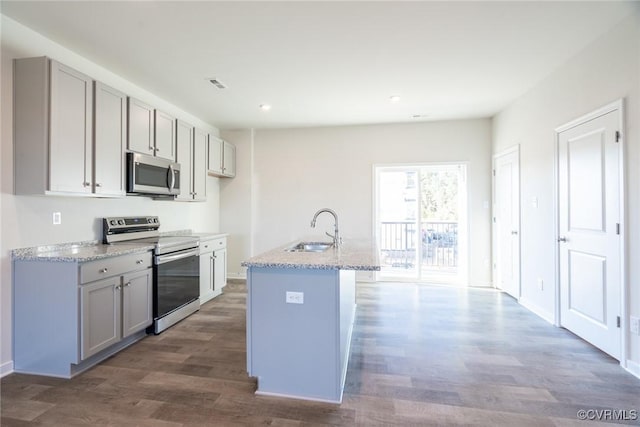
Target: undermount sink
(310,247)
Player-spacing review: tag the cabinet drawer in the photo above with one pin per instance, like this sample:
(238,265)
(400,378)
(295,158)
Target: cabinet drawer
(96,270)
(212,245)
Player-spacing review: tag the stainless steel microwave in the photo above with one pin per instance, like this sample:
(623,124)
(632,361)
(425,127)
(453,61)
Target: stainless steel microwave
(152,175)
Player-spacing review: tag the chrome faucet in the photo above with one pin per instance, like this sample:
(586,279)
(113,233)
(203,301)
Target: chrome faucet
(337,240)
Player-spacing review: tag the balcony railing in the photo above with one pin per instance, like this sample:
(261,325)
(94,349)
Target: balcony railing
(438,240)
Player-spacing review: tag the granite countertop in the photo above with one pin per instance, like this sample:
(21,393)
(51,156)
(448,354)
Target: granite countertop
(92,250)
(351,255)
(77,252)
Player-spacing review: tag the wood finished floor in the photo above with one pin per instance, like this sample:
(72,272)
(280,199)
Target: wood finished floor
(421,355)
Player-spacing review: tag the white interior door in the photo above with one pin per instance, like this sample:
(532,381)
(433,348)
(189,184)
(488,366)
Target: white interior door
(507,222)
(589,227)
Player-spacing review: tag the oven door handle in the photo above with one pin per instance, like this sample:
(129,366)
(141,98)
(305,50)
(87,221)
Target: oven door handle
(162,259)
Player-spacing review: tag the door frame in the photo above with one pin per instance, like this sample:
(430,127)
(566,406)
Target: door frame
(494,232)
(464,273)
(624,289)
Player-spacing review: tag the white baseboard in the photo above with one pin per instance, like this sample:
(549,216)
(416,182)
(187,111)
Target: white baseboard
(237,275)
(633,368)
(538,311)
(6,368)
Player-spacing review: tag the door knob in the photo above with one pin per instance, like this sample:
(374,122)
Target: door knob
(514,232)
(562,239)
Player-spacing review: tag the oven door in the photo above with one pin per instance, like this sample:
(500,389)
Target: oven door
(176,281)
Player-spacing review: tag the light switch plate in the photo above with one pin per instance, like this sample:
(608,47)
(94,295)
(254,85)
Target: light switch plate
(57,218)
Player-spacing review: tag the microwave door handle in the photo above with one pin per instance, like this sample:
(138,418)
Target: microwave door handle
(172,179)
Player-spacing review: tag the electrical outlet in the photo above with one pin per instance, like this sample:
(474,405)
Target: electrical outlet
(540,284)
(634,325)
(57,218)
(295,297)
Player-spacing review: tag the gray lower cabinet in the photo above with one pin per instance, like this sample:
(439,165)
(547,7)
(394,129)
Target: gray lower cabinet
(213,268)
(68,316)
(113,309)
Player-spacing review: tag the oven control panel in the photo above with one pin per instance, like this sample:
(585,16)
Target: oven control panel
(129,224)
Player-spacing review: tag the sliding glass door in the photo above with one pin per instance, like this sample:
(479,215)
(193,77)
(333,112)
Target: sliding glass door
(421,217)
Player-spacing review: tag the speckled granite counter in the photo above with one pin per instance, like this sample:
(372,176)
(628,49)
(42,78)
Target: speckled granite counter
(351,255)
(77,252)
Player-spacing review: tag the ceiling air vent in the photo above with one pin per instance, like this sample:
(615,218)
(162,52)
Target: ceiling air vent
(217,83)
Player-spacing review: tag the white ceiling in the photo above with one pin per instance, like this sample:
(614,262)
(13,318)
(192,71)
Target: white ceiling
(326,63)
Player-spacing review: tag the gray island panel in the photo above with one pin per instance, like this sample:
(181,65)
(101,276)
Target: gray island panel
(300,350)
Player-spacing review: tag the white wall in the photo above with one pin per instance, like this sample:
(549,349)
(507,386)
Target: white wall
(607,70)
(26,221)
(294,172)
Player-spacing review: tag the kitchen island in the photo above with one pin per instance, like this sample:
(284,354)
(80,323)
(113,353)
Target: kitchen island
(300,313)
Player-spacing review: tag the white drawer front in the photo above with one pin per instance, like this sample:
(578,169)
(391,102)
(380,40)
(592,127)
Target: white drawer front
(212,245)
(107,267)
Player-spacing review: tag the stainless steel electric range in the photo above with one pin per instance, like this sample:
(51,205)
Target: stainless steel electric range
(176,267)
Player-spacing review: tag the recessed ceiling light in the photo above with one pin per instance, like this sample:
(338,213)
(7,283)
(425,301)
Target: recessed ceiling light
(394,99)
(265,107)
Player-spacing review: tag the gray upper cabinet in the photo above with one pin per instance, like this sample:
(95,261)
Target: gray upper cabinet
(184,140)
(200,165)
(192,156)
(165,136)
(53,126)
(228,159)
(140,136)
(215,156)
(110,133)
(222,158)
(151,131)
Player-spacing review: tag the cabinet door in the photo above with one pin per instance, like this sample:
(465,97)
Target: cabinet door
(220,268)
(206,276)
(70,143)
(140,126)
(100,311)
(137,289)
(215,156)
(110,123)
(229,159)
(200,165)
(165,136)
(184,141)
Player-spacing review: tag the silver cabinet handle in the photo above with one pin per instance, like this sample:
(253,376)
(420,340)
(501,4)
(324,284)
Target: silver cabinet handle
(98,184)
(86,184)
(118,287)
(140,261)
(103,270)
(514,232)
(562,239)
(127,284)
